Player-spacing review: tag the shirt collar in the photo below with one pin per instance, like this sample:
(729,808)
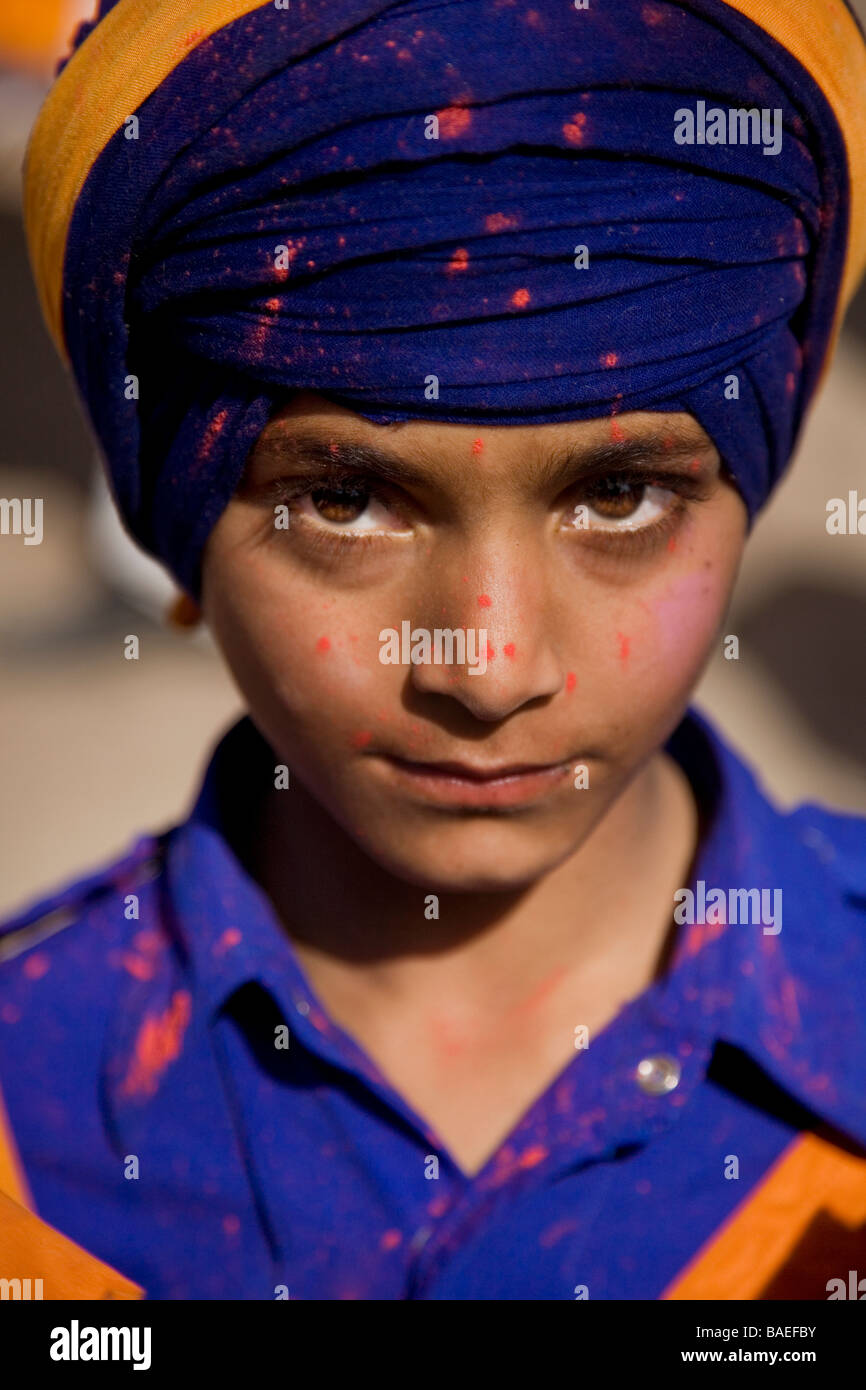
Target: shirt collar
(788,1000)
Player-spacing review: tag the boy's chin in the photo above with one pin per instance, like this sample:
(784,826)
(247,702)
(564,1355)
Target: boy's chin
(486,861)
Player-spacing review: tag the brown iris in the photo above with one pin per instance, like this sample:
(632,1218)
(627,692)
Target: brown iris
(614,498)
(340,504)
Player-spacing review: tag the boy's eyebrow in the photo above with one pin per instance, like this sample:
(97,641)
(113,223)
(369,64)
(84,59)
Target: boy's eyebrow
(567,461)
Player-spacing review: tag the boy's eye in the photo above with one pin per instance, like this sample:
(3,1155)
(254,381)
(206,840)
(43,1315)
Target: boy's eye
(621,504)
(347,505)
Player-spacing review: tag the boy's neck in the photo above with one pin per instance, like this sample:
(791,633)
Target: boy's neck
(604,916)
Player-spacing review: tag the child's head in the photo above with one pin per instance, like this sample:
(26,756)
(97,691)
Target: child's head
(478,237)
(590,564)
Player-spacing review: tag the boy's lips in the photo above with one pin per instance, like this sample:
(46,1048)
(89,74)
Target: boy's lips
(476,784)
(474,772)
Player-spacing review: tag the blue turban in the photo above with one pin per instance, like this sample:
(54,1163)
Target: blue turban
(465,212)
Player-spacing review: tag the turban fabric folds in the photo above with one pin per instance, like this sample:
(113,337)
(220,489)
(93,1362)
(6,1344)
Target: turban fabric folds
(228,201)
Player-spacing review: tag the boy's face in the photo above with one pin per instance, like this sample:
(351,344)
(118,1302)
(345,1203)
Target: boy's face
(589,562)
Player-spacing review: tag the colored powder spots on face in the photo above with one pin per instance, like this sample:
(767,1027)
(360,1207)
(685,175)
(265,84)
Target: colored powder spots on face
(459,261)
(672,544)
(617,433)
(231,1225)
(520,299)
(158,1043)
(571,681)
(361,738)
(509,650)
(575,129)
(36,966)
(484,601)
(323,644)
(499,222)
(453,121)
(390,1240)
(610,359)
(624,646)
(477,446)
(491,654)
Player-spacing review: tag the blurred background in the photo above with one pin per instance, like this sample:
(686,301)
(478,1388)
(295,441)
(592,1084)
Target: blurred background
(95,750)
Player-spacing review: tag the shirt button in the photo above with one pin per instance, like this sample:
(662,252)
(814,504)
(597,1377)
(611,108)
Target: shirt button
(658,1075)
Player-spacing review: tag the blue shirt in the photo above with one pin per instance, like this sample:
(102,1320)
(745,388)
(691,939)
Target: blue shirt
(161,1127)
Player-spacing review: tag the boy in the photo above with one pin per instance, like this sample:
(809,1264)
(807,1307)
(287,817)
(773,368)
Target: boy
(482,968)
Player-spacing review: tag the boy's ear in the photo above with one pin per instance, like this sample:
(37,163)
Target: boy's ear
(184,612)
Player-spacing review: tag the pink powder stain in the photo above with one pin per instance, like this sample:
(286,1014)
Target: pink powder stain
(453,121)
(672,544)
(230,938)
(484,601)
(158,1043)
(361,738)
(477,446)
(138,966)
(520,299)
(390,1240)
(575,129)
(698,936)
(624,647)
(695,466)
(10,1013)
(679,613)
(323,645)
(459,261)
(790,383)
(438,1206)
(36,966)
(231,1225)
(653,15)
(500,222)
(610,359)
(530,1158)
(551,1235)
(148,940)
(211,435)
(509,650)
(571,681)
(491,652)
(617,433)
(540,994)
